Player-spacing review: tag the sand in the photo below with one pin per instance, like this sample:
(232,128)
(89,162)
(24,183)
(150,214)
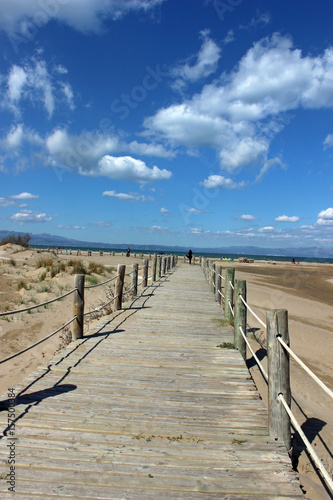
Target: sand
(304,289)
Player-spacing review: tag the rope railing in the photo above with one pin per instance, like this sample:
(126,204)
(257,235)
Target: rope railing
(308,446)
(234,300)
(262,369)
(303,365)
(30,308)
(102,306)
(100,284)
(252,312)
(37,343)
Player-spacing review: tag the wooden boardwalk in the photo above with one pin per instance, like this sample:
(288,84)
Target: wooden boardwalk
(147,408)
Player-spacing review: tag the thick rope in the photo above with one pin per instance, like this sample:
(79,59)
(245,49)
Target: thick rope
(38,305)
(308,371)
(37,343)
(310,449)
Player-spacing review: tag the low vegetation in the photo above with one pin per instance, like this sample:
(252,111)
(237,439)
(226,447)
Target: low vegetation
(20,239)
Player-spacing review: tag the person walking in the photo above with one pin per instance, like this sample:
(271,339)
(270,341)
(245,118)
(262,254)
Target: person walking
(189,255)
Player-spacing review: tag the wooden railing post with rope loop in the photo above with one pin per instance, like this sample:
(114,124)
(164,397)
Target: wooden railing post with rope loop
(278,376)
(78,306)
(145,273)
(240,317)
(119,287)
(229,292)
(135,279)
(154,267)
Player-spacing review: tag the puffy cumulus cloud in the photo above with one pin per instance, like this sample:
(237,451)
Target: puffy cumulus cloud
(81,152)
(240,113)
(326,214)
(286,218)
(205,63)
(185,126)
(325,217)
(84,152)
(24,17)
(5,202)
(34,83)
(28,216)
(24,196)
(218,181)
(127,168)
(266,229)
(127,197)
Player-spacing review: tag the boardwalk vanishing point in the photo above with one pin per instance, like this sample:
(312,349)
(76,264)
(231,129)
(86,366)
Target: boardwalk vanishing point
(146,406)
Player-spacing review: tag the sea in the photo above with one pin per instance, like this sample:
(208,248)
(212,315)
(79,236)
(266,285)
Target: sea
(229,256)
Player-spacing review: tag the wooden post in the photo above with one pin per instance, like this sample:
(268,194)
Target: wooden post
(212,278)
(228,292)
(218,296)
(240,317)
(154,268)
(184,259)
(145,273)
(119,287)
(158,270)
(135,279)
(78,306)
(278,376)
(163,265)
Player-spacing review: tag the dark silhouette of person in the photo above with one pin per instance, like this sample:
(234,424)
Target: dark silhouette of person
(189,255)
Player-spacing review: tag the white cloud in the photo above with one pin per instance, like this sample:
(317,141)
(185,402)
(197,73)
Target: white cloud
(34,83)
(15,137)
(165,212)
(70,227)
(246,217)
(266,228)
(27,216)
(128,169)
(24,196)
(127,197)
(196,211)
(326,214)
(24,16)
(205,62)
(239,114)
(328,142)
(218,181)
(286,218)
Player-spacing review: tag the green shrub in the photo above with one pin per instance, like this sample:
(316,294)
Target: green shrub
(46,262)
(96,268)
(22,284)
(12,262)
(78,266)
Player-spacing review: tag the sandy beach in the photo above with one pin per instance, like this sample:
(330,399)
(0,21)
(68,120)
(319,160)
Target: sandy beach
(304,289)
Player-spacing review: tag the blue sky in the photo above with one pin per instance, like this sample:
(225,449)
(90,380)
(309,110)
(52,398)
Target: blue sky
(199,123)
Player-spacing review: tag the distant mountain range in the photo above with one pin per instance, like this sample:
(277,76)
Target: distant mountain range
(45,239)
